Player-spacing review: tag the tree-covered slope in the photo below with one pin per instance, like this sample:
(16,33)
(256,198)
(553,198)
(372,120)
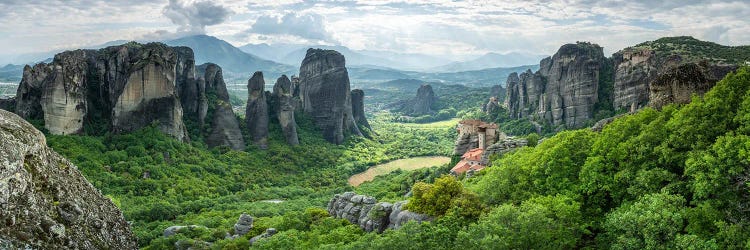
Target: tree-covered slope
(693,49)
(669,179)
(159,182)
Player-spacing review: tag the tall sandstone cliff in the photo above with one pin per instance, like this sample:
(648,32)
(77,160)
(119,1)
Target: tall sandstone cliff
(325,94)
(423,102)
(563,91)
(256,111)
(127,87)
(124,87)
(679,84)
(45,202)
(358,108)
(214,97)
(571,85)
(283,108)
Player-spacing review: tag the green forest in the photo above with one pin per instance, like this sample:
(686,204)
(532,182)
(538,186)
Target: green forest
(675,178)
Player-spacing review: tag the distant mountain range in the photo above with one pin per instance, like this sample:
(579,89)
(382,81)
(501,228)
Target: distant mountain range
(230,58)
(491,60)
(365,66)
(364,77)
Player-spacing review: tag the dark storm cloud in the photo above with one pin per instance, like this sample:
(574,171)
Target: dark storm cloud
(308,26)
(194,17)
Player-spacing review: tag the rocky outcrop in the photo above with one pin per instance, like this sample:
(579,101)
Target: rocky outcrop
(142,88)
(29,93)
(370,215)
(524,93)
(325,94)
(243,225)
(502,147)
(563,91)
(269,232)
(423,102)
(358,108)
(283,108)
(634,69)
(465,142)
(172,230)
(647,67)
(492,106)
(599,125)
(125,87)
(679,84)
(256,112)
(572,80)
(45,202)
(214,99)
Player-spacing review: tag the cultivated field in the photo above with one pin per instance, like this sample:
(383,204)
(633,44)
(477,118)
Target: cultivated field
(403,164)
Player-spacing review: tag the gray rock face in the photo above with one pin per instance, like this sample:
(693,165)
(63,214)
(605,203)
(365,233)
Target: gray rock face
(358,108)
(128,87)
(172,230)
(370,215)
(465,142)
(644,76)
(563,91)
(572,83)
(677,85)
(491,107)
(325,94)
(225,128)
(634,69)
(45,202)
(243,225)
(256,112)
(284,109)
(29,93)
(147,92)
(422,103)
(399,216)
(269,232)
(8,104)
(599,125)
(502,147)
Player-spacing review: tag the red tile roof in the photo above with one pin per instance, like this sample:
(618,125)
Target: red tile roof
(464,166)
(473,155)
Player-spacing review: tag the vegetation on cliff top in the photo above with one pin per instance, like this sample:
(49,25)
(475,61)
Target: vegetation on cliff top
(693,49)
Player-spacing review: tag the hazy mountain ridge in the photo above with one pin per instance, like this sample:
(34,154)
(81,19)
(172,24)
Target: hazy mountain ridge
(230,58)
(491,60)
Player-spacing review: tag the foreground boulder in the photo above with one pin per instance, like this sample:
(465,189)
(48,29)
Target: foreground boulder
(45,202)
(325,94)
(371,215)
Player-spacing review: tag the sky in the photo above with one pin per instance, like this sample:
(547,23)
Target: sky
(452,29)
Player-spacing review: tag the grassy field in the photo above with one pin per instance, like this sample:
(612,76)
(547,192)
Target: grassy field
(432,125)
(403,164)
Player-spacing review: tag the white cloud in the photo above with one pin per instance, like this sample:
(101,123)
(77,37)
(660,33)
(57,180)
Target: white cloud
(437,27)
